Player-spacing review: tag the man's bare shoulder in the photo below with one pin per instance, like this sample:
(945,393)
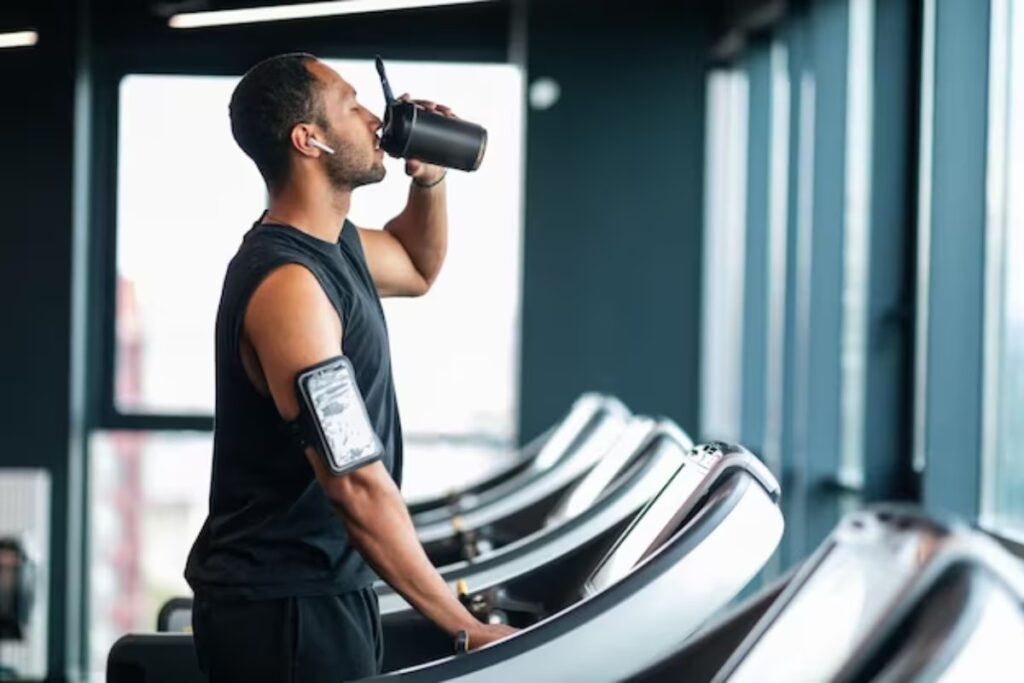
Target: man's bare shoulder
(289,296)
(289,282)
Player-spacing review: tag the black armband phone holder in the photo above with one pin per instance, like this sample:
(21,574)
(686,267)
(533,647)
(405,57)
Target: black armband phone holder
(333,418)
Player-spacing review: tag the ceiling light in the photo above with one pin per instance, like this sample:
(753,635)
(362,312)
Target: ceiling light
(306,10)
(19,39)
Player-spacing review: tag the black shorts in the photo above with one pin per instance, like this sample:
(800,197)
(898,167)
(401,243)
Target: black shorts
(319,638)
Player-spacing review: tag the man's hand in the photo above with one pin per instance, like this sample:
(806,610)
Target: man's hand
(485,634)
(423,173)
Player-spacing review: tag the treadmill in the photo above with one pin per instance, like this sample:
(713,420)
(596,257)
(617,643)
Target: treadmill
(642,462)
(964,623)
(536,457)
(690,550)
(892,595)
(520,505)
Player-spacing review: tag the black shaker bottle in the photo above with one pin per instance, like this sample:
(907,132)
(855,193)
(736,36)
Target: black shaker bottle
(412,132)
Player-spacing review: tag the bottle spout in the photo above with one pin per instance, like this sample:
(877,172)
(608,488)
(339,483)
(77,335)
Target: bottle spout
(389,96)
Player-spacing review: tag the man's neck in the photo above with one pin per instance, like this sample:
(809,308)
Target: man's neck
(318,213)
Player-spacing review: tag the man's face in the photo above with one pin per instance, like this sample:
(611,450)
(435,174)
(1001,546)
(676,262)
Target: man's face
(351,131)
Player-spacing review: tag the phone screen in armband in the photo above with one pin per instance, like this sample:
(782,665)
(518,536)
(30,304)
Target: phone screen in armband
(337,417)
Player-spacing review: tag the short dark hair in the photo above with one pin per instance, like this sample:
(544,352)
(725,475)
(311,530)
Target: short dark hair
(270,99)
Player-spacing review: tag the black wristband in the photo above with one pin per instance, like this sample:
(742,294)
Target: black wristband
(430,185)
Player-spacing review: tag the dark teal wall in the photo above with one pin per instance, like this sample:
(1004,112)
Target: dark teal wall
(614,193)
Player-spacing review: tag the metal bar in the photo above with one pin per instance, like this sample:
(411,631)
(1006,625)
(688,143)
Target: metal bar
(886,443)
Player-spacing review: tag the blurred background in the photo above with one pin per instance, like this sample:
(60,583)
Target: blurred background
(798,225)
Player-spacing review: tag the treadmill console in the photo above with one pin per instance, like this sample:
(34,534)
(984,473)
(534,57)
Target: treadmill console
(663,515)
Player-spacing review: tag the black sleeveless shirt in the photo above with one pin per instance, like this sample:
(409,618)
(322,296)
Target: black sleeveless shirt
(271,531)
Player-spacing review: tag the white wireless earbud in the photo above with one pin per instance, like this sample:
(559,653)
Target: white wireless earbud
(319,145)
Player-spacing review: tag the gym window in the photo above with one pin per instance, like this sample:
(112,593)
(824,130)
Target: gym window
(186,194)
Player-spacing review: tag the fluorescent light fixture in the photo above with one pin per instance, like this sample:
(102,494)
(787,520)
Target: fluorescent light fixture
(304,10)
(18,39)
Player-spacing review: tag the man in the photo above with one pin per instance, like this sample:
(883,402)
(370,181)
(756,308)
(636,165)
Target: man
(283,568)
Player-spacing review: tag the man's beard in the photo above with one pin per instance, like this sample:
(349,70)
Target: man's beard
(349,168)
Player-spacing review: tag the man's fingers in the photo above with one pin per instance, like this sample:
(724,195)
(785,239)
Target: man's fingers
(442,109)
(430,105)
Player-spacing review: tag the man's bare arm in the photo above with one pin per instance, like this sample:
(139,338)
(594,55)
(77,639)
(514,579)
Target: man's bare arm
(291,325)
(405,257)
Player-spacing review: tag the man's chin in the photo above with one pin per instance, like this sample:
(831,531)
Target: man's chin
(374,176)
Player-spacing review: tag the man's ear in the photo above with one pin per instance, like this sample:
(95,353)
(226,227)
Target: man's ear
(301,135)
